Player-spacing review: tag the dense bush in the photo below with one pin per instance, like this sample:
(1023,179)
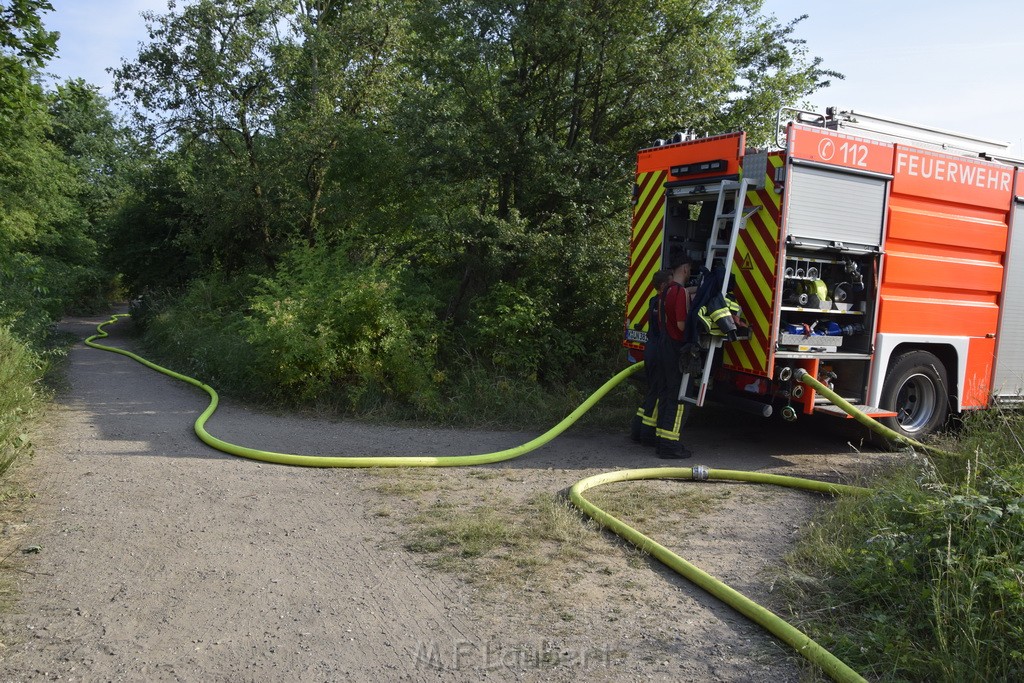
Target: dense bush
(327,330)
(925,580)
(201,332)
(21,370)
(320,329)
(326,325)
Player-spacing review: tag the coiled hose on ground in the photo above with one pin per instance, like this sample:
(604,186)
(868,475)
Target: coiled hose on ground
(762,616)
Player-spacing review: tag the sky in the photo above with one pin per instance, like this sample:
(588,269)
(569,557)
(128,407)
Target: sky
(958,65)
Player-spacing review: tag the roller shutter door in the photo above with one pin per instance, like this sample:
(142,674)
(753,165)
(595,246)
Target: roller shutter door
(827,206)
(1009,375)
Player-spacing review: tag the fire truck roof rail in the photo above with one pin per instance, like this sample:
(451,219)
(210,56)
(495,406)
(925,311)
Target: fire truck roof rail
(888,129)
(895,130)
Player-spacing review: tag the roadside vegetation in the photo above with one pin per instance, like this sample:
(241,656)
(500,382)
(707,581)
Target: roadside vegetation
(62,161)
(421,210)
(20,374)
(924,580)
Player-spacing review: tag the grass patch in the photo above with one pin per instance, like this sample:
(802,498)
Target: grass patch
(655,507)
(925,579)
(465,534)
(538,540)
(403,483)
(502,543)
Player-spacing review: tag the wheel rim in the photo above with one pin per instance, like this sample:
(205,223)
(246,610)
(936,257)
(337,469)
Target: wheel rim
(915,403)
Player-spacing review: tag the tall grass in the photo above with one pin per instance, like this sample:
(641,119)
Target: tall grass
(21,371)
(925,579)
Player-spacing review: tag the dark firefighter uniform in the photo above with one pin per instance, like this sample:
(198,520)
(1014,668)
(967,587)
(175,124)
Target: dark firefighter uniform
(645,420)
(672,413)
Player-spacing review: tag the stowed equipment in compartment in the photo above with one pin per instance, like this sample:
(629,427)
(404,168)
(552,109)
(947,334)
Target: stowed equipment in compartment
(827,299)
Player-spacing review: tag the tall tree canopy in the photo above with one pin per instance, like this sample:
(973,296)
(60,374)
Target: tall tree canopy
(59,154)
(473,157)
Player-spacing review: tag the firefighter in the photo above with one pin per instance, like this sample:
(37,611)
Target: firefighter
(645,420)
(672,414)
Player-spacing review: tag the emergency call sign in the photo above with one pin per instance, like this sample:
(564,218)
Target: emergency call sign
(839,149)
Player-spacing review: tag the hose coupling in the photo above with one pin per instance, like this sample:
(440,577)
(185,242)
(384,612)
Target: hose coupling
(789,414)
(785,374)
(700,472)
(798,391)
(798,374)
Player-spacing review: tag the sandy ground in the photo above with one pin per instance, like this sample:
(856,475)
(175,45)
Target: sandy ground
(161,559)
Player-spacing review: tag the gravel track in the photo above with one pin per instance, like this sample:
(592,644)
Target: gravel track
(162,559)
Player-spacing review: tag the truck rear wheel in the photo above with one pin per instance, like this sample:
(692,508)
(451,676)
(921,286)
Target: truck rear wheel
(915,389)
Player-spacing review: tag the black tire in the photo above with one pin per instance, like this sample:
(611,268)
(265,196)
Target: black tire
(916,389)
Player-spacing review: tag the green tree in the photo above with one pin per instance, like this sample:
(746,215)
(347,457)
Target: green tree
(49,215)
(342,69)
(206,81)
(83,126)
(528,115)
(22,32)
(147,243)
(25,45)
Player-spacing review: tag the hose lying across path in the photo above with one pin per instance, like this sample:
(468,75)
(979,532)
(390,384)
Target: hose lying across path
(762,616)
(366,461)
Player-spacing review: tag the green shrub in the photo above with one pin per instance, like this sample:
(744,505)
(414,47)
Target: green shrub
(330,327)
(925,580)
(319,329)
(202,333)
(21,370)
(325,325)
(510,330)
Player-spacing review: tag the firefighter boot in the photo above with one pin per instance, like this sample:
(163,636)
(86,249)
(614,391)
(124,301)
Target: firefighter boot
(669,444)
(672,450)
(636,426)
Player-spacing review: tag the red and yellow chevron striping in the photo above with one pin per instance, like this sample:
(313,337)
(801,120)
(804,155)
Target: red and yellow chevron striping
(645,248)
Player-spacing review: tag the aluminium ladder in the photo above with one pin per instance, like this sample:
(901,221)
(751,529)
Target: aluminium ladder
(720,246)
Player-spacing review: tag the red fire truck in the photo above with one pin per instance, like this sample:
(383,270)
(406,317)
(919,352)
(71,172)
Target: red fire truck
(884,258)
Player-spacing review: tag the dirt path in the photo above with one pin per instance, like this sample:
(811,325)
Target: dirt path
(164,560)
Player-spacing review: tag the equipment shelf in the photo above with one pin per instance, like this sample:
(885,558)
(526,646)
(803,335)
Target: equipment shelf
(824,355)
(819,311)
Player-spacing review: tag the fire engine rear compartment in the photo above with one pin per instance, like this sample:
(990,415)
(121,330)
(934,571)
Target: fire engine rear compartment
(883,268)
(828,286)
(831,259)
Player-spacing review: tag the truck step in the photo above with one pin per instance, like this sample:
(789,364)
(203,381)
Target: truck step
(870,411)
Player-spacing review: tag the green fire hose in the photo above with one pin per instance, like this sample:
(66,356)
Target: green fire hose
(365,461)
(877,427)
(762,616)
